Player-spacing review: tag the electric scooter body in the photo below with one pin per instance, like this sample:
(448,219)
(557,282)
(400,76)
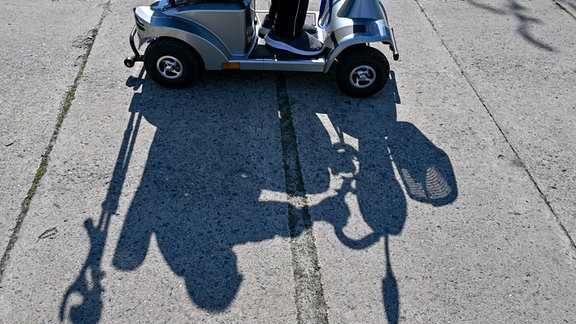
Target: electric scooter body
(183,37)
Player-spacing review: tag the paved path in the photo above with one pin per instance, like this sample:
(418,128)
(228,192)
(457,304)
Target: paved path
(447,197)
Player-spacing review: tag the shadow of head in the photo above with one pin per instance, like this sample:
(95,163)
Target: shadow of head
(212,280)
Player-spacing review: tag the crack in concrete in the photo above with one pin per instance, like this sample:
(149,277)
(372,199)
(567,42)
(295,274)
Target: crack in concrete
(310,303)
(66,103)
(566,9)
(501,130)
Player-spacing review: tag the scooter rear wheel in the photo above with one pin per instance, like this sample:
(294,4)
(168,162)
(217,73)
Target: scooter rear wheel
(170,63)
(362,71)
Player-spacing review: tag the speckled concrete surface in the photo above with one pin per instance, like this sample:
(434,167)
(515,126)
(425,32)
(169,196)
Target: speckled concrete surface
(447,197)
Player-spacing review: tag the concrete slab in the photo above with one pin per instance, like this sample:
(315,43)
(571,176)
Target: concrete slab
(171,206)
(423,212)
(42,47)
(525,75)
(152,206)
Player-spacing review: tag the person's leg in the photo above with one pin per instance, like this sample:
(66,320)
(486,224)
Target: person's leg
(273,9)
(288,23)
(268,21)
(270,18)
(287,32)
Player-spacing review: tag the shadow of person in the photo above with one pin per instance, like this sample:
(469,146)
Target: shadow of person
(210,161)
(198,194)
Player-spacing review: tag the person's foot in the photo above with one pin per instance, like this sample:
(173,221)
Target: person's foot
(302,44)
(268,23)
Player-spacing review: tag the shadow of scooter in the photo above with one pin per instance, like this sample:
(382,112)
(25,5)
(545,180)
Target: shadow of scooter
(427,177)
(366,171)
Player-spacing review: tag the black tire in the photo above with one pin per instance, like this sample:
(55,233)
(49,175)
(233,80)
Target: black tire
(170,63)
(362,71)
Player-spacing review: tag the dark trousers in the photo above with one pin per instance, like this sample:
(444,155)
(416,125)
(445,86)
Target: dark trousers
(290,16)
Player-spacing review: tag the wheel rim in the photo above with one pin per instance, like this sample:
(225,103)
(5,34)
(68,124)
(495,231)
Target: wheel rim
(362,76)
(169,67)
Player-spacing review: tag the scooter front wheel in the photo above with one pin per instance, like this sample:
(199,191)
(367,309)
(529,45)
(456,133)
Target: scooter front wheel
(170,63)
(362,71)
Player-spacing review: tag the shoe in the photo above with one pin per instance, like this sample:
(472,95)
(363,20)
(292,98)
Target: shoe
(310,29)
(268,23)
(265,27)
(302,44)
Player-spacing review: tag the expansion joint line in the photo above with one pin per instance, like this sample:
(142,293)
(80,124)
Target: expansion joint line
(309,295)
(516,155)
(570,13)
(63,111)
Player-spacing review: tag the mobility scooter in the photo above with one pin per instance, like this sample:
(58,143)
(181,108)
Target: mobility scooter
(180,38)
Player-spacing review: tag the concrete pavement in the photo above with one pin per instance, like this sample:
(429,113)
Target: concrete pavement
(43,45)
(447,197)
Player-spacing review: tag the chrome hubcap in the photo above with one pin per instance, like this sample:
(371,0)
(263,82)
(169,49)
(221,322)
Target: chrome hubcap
(363,76)
(169,67)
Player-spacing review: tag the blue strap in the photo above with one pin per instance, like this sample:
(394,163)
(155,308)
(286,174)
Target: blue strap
(323,12)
